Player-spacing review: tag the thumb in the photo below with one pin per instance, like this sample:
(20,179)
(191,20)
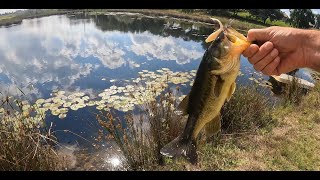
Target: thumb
(258,35)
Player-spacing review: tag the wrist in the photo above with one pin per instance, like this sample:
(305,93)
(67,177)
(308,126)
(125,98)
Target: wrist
(311,49)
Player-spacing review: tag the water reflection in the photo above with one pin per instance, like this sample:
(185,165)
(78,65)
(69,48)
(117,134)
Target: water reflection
(152,47)
(49,47)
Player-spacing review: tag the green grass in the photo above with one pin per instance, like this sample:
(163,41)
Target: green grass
(243,14)
(291,142)
(278,23)
(3,17)
(17,18)
(8,20)
(246,15)
(297,154)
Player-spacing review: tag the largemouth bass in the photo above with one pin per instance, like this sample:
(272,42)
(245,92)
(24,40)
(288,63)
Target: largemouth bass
(214,84)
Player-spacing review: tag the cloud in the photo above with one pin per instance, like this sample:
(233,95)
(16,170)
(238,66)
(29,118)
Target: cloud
(163,48)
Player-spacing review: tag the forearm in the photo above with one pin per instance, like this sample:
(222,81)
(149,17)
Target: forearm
(312,49)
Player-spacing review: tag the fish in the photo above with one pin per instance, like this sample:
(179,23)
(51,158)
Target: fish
(214,84)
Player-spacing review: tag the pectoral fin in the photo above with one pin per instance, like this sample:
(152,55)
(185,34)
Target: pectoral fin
(231,91)
(183,106)
(213,127)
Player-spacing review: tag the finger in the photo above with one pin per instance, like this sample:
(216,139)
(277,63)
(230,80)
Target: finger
(251,50)
(259,66)
(271,69)
(263,51)
(259,35)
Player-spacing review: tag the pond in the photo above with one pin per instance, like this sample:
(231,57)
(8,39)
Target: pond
(85,63)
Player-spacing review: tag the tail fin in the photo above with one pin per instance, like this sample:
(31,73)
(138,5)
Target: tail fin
(179,147)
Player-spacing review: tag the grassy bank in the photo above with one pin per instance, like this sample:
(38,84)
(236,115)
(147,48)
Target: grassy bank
(290,142)
(241,25)
(16,18)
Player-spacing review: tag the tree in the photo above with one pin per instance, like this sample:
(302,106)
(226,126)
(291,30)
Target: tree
(235,11)
(275,14)
(301,18)
(317,21)
(219,12)
(187,10)
(264,14)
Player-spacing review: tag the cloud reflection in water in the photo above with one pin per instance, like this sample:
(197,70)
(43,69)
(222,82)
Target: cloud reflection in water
(44,50)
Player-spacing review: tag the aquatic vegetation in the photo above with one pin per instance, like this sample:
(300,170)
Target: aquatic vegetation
(91,103)
(134,92)
(74,107)
(259,80)
(62,116)
(122,98)
(140,136)
(40,101)
(25,144)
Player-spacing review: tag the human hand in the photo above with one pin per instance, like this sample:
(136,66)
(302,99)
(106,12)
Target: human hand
(283,49)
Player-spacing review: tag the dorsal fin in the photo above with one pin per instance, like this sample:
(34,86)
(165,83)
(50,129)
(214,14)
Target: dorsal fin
(215,34)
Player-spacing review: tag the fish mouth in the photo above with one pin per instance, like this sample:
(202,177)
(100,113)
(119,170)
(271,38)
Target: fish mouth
(236,38)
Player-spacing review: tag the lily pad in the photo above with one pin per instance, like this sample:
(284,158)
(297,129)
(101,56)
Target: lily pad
(62,116)
(40,101)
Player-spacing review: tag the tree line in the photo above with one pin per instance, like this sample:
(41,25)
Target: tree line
(300,18)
